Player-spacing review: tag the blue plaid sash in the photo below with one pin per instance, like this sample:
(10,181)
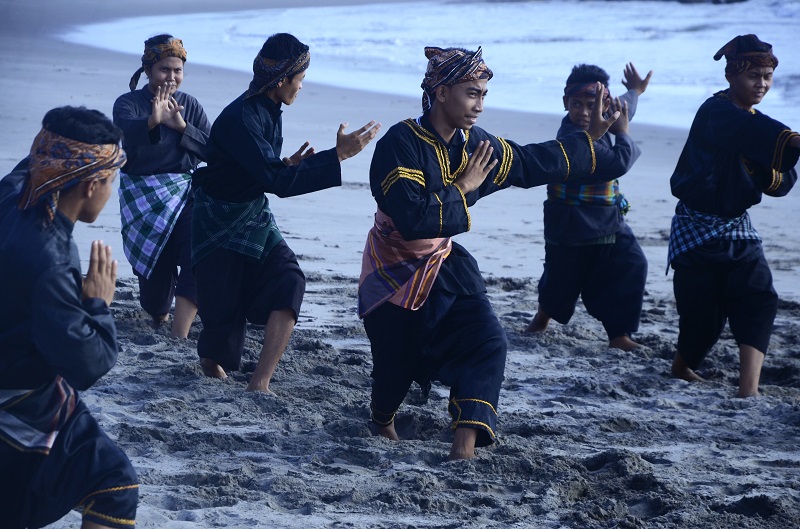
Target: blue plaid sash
(149,207)
(691,229)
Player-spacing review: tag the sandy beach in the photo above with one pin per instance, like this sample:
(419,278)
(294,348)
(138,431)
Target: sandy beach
(589,437)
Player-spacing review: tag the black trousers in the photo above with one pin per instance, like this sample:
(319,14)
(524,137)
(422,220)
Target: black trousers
(84,470)
(610,278)
(454,339)
(234,289)
(707,296)
(172,275)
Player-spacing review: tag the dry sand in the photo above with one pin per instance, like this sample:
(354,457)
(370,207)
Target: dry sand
(589,437)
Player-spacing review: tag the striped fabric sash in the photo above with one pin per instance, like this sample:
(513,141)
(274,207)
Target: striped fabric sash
(149,207)
(396,270)
(30,419)
(601,194)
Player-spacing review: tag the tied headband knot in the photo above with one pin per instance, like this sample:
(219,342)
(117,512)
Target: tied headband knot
(745,52)
(152,54)
(57,163)
(450,66)
(267,73)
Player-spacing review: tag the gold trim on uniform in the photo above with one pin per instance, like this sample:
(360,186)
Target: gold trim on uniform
(507,159)
(441,214)
(591,147)
(566,158)
(439,149)
(466,209)
(402,172)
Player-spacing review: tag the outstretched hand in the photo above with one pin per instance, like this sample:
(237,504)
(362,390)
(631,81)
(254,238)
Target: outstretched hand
(633,81)
(478,168)
(302,153)
(597,124)
(621,126)
(348,145)
(101,278)
(166,110)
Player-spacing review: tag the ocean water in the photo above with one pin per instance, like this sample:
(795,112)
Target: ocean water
(530,45)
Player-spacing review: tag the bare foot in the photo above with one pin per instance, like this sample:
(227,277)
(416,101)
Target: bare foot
(623,342)
(463,444)
(681,370)
(253,386)
(538,323)
(159,321)
(387,431)
(212,369)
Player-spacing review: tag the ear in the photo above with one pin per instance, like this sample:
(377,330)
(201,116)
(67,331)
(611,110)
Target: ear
(442,92)
(566,102)
(89,188)
(147,71)
(606,104)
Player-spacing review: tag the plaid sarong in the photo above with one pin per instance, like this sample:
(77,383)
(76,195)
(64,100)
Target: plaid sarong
(599,194)
(247,228)
(30,419)
(691,229)
(149,207)
(396,270)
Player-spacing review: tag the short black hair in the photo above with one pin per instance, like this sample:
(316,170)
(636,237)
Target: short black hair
(588,73)
(82,124)
(282,46)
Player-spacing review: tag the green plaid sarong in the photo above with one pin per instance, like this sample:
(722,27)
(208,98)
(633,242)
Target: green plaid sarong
(247,228)
(149,207)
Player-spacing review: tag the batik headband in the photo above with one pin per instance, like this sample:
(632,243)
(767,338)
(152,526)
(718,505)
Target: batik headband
(745,52)
(267,73)
(586,89)
(57,163)
(152,54)
(450,66)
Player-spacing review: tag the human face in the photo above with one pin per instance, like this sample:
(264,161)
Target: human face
(579,107)
(749,88)
(168,72)
(99,193)
(462,103)
(286,91)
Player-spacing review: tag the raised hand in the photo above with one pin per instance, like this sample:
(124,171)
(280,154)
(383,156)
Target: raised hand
(478,168)
(633,81)
(348,145)
(101,278)
(166,110)
(302,153)
(620,126)
(597,125)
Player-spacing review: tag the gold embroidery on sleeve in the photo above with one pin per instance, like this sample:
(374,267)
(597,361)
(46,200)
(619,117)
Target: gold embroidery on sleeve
(402,172)
(506,160)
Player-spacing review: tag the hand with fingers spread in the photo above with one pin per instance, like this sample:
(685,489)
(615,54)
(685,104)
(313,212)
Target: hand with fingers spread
(621,126)
(633,81)
(166,110)
(348,145)
(478,168)
(101,278)
(302,153)
(597,124)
